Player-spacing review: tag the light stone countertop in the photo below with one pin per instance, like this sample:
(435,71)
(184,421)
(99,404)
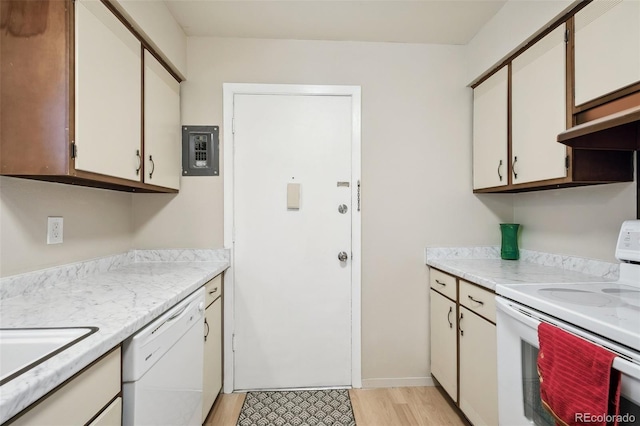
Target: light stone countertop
(119,298)
(483,266)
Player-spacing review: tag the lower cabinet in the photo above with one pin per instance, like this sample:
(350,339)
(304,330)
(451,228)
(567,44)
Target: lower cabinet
(92,394)
(444,342)
(463,345)
(478,369)
(212,368)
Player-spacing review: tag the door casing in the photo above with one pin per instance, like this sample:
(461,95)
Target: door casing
(354,92)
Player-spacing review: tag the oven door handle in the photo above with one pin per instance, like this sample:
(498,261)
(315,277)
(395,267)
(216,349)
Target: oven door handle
(627,367)
(619,363)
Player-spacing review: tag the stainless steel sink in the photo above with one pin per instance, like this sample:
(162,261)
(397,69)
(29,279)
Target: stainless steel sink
(23,348)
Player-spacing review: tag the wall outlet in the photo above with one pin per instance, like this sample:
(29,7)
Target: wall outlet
(54,230)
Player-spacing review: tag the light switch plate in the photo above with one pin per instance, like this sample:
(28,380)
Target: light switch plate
(54,229)
(293,196)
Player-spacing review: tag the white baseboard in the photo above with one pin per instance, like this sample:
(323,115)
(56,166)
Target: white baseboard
(399,382)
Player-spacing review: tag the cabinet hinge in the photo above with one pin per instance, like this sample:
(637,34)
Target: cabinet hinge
(233,342)
(566,35)
(74,149)
(566,162)
(233,125)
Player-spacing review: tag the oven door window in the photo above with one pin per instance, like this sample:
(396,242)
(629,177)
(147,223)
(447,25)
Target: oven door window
(533,410)
(532,403)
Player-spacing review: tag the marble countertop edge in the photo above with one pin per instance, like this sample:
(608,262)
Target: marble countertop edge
(112,300)
(483,266)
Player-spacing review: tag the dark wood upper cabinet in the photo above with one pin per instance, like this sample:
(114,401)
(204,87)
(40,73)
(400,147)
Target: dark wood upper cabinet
(43,61)
(529,133)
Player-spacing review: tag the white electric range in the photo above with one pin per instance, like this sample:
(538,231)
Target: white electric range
(605,313)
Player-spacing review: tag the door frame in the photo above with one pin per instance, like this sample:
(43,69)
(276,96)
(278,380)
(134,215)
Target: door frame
(229,91)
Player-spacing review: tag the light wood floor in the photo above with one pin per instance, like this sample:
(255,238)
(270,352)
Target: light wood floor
(371,407)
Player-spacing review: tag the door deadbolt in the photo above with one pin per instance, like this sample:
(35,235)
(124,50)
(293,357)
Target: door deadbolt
(343,256)
(342,208)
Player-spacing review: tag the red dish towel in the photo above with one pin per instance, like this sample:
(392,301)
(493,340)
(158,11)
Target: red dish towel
(577,383)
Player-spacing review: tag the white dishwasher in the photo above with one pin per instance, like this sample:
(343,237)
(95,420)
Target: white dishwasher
(162,368)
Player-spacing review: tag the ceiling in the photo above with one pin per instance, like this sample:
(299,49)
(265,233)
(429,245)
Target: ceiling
(401,21)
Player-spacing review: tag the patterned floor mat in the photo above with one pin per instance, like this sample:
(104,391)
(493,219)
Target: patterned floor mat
(293,408)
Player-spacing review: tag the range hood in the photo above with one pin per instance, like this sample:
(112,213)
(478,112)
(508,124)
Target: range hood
(618,132)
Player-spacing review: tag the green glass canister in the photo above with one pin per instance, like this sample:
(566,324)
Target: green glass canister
(509,248)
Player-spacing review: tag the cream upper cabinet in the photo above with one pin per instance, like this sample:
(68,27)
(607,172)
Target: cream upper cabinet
(539,112)
(478,369)
(108,93)
(162,134)
(490,131)
(607,48)
(443,342)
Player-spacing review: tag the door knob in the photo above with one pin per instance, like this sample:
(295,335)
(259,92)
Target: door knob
(343,256)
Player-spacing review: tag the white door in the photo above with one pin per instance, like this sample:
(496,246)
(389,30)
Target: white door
(292,295)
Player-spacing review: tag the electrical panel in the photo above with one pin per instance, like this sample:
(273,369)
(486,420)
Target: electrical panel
(200,151)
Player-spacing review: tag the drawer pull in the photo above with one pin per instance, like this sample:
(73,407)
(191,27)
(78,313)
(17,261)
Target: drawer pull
(215,290)
(475,300)
(449,317)
(442,284)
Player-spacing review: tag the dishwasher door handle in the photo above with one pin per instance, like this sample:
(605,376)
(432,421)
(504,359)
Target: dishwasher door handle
(171,318)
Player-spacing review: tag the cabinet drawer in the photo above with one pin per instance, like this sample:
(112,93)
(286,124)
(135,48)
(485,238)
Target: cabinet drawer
(478,300)
(213,289)
(111,416)
(444,283)
(80,399)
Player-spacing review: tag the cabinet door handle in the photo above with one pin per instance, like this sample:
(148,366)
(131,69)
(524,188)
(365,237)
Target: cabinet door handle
(442,284)
(499,166)
(139,162)
(206,334)
(475,300)
(153,167)
(460,324)
(513,167)
(449,317)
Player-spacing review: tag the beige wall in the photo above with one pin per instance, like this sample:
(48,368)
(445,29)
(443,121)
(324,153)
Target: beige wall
(416,172)
(97,223)
(575,221)
(193,218)
(156,23)
(514,24)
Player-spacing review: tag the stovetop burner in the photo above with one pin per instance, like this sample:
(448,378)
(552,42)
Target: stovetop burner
(580,297)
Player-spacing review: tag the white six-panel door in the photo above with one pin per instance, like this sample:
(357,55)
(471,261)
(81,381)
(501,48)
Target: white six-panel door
(292,296)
